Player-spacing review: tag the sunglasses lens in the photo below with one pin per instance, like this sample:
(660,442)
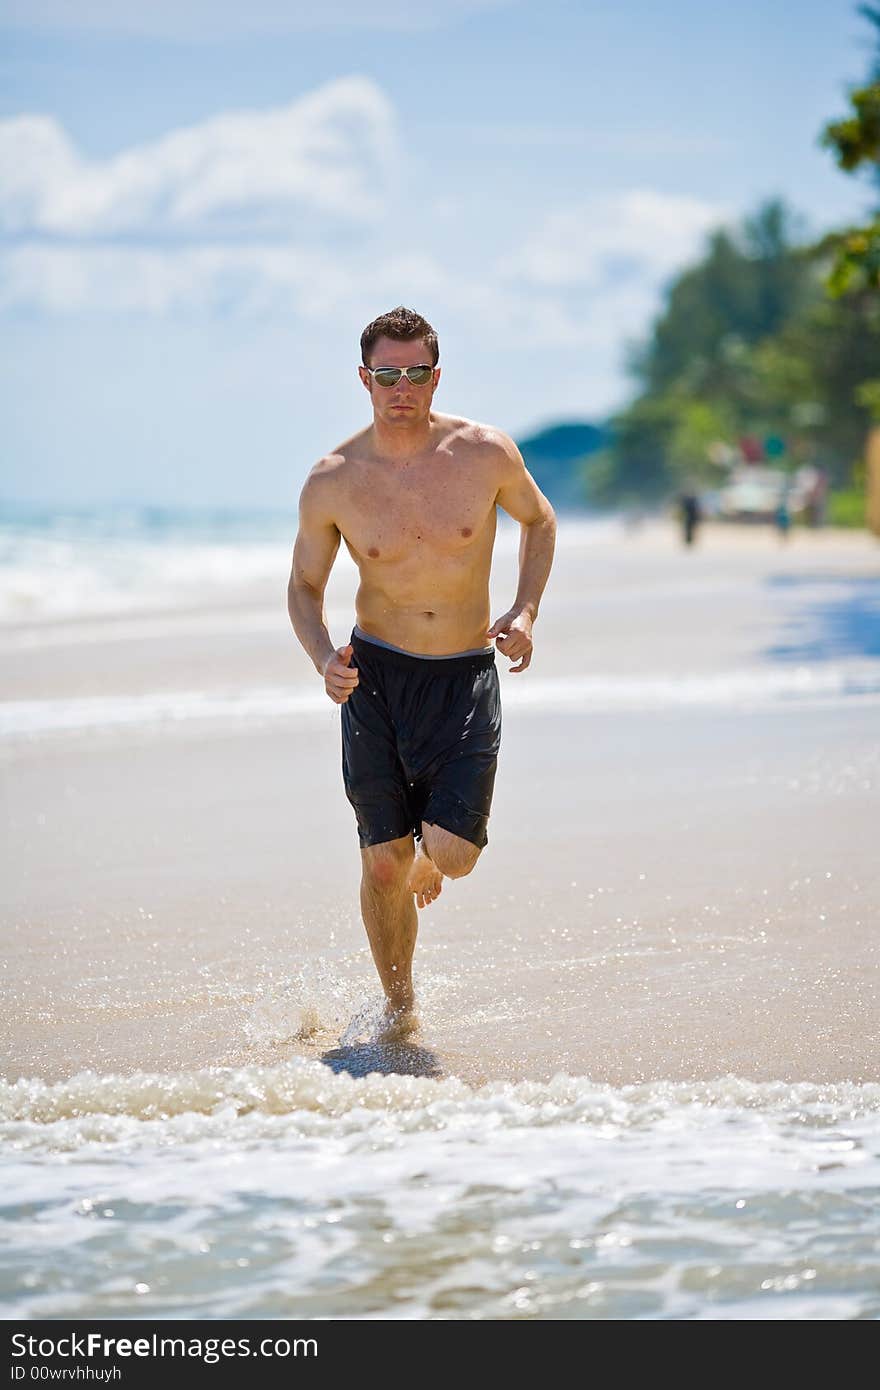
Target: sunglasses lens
(387,376)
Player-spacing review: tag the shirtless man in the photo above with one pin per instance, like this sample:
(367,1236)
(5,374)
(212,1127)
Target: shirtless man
(414,496)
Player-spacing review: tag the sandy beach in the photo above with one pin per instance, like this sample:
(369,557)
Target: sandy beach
(682,879)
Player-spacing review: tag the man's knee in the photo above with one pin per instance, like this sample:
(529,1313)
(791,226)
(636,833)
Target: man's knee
(453,856)
(387,865)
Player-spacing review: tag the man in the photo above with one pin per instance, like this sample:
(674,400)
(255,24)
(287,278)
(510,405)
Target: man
(690,513)
(414,497)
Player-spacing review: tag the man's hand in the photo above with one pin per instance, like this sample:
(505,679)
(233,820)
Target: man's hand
(514,633)
(340,679)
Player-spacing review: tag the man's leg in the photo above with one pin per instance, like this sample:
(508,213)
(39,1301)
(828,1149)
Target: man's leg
(439,852)
(455,815)
(453,855)
(390,917)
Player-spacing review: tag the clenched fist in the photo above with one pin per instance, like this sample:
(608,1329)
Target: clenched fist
(340,679)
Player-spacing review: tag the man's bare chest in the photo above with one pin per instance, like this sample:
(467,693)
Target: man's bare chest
(385,517)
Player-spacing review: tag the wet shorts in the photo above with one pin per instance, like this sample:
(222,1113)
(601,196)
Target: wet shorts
(420,741)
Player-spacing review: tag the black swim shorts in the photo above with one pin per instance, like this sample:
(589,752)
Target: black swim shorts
(420,741)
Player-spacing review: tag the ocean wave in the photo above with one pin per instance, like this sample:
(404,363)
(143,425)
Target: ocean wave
(294,1191)
(306,1088)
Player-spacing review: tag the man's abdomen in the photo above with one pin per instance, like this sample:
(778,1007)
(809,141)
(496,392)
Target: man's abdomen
(430,625)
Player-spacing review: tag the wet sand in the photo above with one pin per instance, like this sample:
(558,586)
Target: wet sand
(682,878)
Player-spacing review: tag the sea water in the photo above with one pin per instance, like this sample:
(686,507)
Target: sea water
(294,1191)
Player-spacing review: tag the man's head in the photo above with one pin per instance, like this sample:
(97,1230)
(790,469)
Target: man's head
(399,339)
(402,326)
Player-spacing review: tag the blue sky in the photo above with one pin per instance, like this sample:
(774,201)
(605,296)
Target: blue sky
(202,204)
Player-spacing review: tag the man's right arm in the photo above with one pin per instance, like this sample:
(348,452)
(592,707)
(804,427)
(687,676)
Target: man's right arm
(314,551)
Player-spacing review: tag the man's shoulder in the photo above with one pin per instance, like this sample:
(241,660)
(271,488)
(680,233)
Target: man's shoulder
(486,439)
(331,468)
(326,469)
(318,493)
(324,486)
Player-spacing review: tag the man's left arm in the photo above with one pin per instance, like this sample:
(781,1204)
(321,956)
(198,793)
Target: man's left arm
(519,495)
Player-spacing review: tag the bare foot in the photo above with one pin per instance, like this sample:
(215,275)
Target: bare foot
(425,879)
(396,1023)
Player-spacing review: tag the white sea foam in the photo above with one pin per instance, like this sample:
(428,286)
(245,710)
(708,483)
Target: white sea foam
(304,1088)
(52,579)
(297,1190)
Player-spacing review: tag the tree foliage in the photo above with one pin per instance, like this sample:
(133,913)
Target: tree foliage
(855,142)
(767,335)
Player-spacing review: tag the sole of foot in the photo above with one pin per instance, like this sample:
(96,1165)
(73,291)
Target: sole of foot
(425,880)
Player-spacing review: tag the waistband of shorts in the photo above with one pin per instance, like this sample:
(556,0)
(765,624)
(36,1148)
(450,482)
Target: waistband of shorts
(395,656)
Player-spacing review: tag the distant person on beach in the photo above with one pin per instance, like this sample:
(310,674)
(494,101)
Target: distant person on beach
(414,497)
(690,515)
(782,515)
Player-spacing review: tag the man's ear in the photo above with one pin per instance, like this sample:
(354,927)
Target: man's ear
(366,379)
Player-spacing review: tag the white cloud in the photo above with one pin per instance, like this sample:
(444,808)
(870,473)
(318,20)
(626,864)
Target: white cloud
(328,152)
(258,280)
(220,212)
(71,279)
(635,235)
(283,279)
(206,20)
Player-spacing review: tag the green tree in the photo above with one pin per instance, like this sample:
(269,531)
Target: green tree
(766,334)
(745,288)
(749,342)
(855,141)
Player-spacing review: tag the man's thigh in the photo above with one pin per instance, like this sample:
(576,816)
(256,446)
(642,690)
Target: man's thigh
(453,855)
(372,774)
(460,798)
(462,781)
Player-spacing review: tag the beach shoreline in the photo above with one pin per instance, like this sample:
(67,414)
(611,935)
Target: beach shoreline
(681,880)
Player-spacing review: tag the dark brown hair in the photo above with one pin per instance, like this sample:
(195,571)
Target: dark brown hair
(403,325)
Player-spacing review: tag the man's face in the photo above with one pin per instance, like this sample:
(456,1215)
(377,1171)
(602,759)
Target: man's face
(403,404)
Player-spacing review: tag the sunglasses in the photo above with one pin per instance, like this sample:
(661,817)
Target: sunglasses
(389,376)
